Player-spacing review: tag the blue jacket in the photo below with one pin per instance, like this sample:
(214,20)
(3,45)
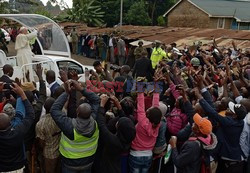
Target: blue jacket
(12,155)
(229,132)
(20,112)
(53,88)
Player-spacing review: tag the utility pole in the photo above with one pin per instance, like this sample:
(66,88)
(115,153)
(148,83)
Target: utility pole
(121,13)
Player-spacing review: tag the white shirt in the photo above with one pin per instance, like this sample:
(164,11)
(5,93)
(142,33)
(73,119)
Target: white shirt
(69,38)
(50,85)
(111,42)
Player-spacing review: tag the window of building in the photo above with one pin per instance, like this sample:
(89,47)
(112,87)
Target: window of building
(243,26)
(221,23)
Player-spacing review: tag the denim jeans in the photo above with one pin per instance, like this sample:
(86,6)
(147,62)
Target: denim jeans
(139,164)
(65,169)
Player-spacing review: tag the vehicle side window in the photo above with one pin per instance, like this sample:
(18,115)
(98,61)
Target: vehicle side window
(69,65)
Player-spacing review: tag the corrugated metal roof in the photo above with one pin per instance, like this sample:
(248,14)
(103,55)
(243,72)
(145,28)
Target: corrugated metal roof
(179,35)
(222,8)
(237,9)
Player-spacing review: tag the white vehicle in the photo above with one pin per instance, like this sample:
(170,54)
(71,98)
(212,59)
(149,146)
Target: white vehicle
(7,35)
(53,44)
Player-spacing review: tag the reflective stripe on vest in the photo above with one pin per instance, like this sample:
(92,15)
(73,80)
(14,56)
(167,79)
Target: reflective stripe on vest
(80,147)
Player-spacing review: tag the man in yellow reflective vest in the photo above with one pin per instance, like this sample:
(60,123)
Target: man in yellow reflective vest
(80,135)
(157,55)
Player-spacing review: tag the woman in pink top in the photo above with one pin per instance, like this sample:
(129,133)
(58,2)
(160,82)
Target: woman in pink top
(147,129)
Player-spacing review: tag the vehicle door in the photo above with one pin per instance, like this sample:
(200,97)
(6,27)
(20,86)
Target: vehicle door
(72,65)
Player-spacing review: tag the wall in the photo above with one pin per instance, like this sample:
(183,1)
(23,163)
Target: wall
(228,23)
(213,23)
(187,15)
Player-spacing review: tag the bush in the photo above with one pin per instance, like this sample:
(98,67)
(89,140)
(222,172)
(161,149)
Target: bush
(161,21)
(137,14)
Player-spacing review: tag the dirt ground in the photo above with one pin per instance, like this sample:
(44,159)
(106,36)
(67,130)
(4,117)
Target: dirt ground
(81,59)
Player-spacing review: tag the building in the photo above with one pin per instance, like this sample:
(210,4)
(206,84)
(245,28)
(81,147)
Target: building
(224,14)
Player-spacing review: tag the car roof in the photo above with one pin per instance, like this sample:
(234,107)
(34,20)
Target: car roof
(58,58)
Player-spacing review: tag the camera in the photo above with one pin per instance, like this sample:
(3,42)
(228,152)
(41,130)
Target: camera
(7,86)
(164,70)
(177,87)
(115,68)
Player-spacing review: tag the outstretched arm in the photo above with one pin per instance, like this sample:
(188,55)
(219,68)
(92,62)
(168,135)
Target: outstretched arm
(62,121)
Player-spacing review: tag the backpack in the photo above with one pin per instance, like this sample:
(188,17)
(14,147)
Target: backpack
(205,158)
(175,122)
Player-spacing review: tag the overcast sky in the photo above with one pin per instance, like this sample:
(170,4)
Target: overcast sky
(69,2)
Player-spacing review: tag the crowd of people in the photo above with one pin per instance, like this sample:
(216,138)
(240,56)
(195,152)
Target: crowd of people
(185,111)
(114,49)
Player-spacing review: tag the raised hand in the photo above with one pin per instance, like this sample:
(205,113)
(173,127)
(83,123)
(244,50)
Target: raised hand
(197,93)
(173,141)
(27,75)
(63,75)
(73,75)
(104,99)
(67,86)
(199,81)
(18,90)
(39,71)
(77,85)
(182,91)
(116,101)
(18,81)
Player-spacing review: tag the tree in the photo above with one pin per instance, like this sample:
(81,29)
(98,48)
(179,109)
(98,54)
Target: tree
(112,10)
(137,14)
(161,21)
(157,8)
(43,11)
(3,7)
(86,11)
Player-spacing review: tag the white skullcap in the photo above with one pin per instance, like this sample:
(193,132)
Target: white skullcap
(22,28)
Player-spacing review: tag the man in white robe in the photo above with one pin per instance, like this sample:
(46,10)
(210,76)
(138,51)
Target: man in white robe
(24,53)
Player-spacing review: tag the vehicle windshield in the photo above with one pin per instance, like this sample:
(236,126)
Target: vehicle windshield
(50,35)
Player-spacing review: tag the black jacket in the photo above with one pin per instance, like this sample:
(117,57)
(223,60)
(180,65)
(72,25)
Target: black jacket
(189,158)
(6,79)
(114,145)
(229,132)
(12,155)
(143,68)
(30,136)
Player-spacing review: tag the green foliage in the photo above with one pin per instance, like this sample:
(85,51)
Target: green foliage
(161,21)
(62,17)
(157,8)
(137,14)
(86,11)
(4,7)
(154,8)
(43,11)
(112,10)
